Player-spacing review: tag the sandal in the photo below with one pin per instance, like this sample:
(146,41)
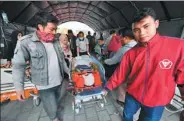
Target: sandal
(120,102)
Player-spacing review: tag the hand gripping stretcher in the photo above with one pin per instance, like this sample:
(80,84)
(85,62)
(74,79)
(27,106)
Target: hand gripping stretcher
(8,92)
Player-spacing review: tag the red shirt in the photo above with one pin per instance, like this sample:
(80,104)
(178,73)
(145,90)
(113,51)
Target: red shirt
(114,44)
(152,71)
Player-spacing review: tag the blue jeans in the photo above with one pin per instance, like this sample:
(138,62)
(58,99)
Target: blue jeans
(147,113)
(51,99)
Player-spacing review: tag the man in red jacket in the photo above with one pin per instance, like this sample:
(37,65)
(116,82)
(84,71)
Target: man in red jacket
(151,69)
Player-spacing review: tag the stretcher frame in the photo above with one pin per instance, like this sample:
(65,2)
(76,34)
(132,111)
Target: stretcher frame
(8,92)
(81,100)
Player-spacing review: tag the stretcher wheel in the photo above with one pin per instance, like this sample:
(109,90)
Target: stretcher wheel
(76,110)
(73,106)
(5,102)
(105,101)
(36,101)
(101,105)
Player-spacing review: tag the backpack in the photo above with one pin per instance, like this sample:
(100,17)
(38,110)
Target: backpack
(114,44)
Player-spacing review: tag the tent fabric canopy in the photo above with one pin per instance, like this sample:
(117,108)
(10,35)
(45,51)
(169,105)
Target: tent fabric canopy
(99,15)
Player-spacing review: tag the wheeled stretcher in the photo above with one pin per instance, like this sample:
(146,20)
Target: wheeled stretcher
(85,83)
(8,92)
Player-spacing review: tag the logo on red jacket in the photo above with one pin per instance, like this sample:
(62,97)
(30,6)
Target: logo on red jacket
(166,64)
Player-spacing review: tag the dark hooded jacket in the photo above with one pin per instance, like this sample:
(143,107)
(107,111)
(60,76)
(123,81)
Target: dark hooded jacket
(12,44)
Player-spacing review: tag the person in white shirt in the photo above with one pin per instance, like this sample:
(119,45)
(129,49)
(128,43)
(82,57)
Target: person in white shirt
(127,41)
(82,44)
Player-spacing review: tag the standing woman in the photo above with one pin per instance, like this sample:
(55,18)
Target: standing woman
(15,36)
(65,45)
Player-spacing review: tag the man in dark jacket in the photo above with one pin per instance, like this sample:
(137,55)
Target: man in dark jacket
(72,39)
(15,36)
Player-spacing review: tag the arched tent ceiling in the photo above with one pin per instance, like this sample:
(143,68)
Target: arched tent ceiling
(99,15)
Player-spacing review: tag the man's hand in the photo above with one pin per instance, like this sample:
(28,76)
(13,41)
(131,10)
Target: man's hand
(28,73)
(88,53)
(8,65)
(105,61)
(78,54)
(20,95)
(104,92)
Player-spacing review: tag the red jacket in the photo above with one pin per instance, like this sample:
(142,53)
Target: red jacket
(152,71)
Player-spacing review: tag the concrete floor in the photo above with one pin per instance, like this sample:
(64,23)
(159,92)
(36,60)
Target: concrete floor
(26,111)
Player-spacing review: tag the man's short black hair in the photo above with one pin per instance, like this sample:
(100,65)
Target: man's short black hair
(81,32)
(70,31)
(112,32)
(89,32)
(126,32)
(140,14)
(43,18)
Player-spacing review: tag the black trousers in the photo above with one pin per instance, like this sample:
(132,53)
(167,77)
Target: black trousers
(74,52)
(83,53)
(109,69)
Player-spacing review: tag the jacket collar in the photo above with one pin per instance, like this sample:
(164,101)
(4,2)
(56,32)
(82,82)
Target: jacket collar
(131,43)
(152,41)
(34,37)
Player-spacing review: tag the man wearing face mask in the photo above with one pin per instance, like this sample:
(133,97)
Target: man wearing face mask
(82,44)
(45,56)
(72,39)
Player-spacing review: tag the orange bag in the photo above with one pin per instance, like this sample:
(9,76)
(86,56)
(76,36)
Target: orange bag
(78,79)
(98,81)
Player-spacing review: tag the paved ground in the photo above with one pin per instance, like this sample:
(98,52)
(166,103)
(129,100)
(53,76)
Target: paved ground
(25,111)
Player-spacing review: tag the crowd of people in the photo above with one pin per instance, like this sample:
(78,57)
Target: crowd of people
(144,65)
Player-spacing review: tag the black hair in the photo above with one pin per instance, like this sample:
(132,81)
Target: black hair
(70,31)
(140,14)
(81,32)
(101,36)
(126,32)
(14,35)
(112,32)
(12,44)
(43,18)
(89,32)
(57,35)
